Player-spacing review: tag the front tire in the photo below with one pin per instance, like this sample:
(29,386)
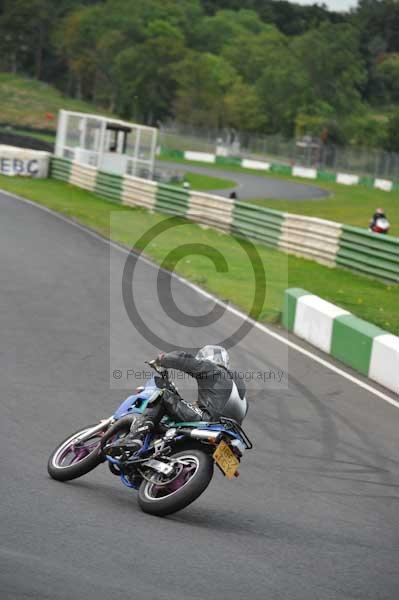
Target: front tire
(164,500)
(70,460)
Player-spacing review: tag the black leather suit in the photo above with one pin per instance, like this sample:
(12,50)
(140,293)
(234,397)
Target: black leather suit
(220,392)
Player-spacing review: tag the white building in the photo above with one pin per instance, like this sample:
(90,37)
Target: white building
(110,145)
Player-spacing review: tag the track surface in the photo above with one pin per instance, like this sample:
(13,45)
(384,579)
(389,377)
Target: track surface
(251,186)
(314,514)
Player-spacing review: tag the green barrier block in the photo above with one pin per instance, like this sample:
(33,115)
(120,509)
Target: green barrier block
(281,169)
(171,200)
(60,168)
(257,223)
(232,161)
(326,176)
(109,186)
(167,153)
(352,341)
(367,181)
(289,306)
(395,186)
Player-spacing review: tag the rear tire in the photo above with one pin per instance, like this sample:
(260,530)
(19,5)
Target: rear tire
(80,467)
(187,493)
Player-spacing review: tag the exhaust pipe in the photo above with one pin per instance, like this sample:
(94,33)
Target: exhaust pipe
(213,437)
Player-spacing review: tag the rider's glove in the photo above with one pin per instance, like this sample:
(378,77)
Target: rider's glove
(158,359)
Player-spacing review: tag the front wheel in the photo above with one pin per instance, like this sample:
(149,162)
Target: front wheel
(74,458)
(163,495)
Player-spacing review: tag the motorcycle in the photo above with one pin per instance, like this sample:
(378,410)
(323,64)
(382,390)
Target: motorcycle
(380,226)
(176,462)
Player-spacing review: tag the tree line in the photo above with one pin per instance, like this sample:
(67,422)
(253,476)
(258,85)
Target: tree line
(265,66)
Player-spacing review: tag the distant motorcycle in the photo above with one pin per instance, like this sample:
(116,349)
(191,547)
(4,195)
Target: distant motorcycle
(381,225)
(175,464)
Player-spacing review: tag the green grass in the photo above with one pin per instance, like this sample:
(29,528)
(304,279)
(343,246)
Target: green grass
(26,101)
(368,299)
(352,205)
(205,183)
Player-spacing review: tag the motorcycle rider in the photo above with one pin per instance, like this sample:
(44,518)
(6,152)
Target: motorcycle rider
(220,393)
(379,222)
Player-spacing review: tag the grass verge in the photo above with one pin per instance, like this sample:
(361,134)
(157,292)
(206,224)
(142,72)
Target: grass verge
(368,299)
(204,183)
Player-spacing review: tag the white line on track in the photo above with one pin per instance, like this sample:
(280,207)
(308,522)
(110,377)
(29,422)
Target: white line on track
(232,310)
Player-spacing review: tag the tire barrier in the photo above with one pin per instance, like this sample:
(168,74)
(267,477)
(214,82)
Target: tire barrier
(326,242)
(25,141)
(357,343)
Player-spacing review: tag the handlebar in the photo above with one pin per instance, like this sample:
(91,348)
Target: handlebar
(163,373)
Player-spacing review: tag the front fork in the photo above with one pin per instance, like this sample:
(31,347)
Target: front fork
(103,424)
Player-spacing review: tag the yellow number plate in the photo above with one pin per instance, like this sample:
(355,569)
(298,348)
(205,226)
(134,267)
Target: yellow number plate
(226,459)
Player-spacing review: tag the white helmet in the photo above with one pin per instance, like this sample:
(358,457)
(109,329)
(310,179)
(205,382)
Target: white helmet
(216,354)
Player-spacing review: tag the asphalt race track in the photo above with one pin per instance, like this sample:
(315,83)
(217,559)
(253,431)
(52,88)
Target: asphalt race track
(250,186)
(313,516)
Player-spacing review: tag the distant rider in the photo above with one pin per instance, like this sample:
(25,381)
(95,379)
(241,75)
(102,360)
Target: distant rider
(379,223)
(220,393)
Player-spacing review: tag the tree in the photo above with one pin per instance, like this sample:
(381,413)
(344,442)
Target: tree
(378,20)
(392,138)
(243,108)
(26,27)
(386,79)
(282,88)
(203,80)
(249,54)
(146,72)
(224,27)
(334,69)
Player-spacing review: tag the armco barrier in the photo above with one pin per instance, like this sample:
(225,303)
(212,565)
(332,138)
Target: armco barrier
(211,211)
(171,200)
(310,237)
(324,241)
(83,176)
(60,168)
(139,192)
(360,345)
(257,223)
(109,186)
(368,253)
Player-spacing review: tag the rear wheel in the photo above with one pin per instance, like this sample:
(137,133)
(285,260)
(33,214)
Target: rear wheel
(164,495)
(72,458)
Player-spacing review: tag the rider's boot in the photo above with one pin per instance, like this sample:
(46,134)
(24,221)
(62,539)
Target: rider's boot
(134,440)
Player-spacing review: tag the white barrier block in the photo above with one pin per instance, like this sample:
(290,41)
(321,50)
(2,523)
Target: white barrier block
(384,364)
(22,161)
(221,151)
(347,179)
(200,156)
(255,164)
(304,172)
(314,319)
(383,184)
